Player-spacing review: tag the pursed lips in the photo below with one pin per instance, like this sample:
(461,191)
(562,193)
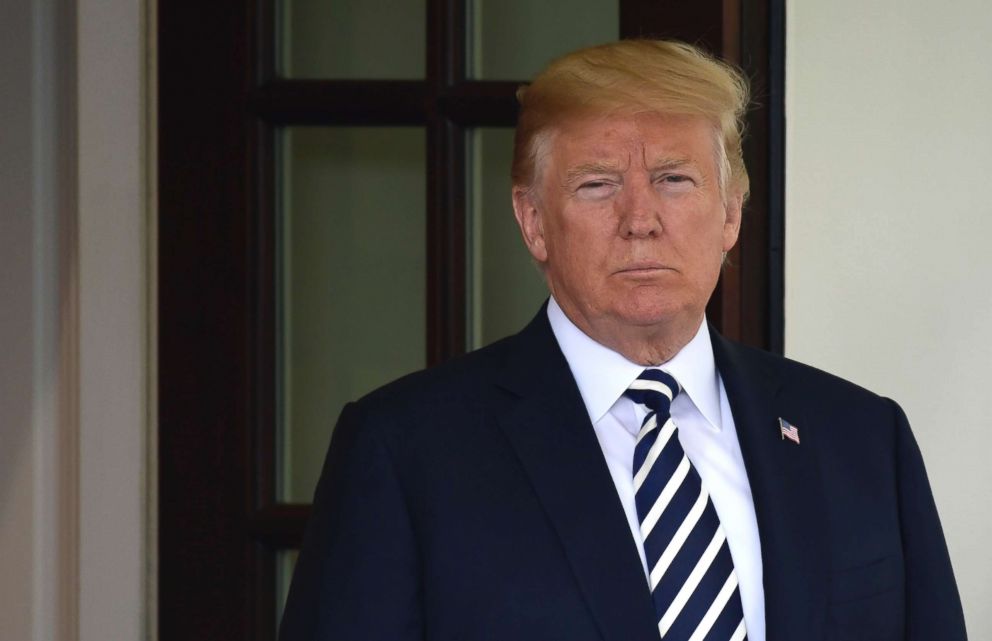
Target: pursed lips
(642,268)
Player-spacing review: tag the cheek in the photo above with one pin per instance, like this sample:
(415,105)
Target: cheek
(575,237)
(710,268)
(572,263)
(576,258)
(703,254)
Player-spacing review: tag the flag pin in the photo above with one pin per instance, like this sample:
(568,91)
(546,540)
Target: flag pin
(788,430)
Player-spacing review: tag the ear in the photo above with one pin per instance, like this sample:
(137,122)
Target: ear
(732,220)
(527,211)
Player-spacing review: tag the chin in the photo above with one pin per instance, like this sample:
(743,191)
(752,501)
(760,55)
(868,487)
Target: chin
(650,305)
(653,312)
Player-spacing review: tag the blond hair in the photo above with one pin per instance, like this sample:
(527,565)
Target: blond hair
(632,76)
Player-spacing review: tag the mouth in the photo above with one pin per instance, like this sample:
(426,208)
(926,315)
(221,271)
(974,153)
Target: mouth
(642,268)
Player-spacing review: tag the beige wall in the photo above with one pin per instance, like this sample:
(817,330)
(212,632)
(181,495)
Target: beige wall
(889,152)
(114,284)
(74,333)
(36,483)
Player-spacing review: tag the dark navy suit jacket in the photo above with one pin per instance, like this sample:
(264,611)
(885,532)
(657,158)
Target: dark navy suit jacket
(472,502)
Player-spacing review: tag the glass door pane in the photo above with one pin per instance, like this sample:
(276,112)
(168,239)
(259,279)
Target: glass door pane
(505,286)
(352,39)
(353,279)
(514,39)
(285,564)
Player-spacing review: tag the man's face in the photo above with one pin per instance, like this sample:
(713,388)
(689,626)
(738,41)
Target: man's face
(629,222)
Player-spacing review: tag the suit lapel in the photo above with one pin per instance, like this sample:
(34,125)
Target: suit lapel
(548,427)
(787,492)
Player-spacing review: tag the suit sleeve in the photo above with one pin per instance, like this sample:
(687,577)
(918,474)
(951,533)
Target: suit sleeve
(357,576)
(933,607)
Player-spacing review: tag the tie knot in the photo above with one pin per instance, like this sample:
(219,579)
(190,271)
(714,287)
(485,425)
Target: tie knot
(655,389)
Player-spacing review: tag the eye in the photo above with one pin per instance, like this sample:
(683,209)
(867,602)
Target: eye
(676,182)
(595,189)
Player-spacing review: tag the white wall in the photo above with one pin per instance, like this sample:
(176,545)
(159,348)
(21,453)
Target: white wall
(889,217)
(75,341)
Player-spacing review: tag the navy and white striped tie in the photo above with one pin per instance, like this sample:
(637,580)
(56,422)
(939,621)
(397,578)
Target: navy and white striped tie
(693,583)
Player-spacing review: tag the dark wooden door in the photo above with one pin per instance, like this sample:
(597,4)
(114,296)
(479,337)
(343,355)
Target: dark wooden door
(224,527)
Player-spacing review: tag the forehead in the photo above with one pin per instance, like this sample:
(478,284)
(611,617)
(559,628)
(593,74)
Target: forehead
(644,138)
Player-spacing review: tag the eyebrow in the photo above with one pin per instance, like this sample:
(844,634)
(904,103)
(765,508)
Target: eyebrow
(585,169)
(670,162)
(660,163)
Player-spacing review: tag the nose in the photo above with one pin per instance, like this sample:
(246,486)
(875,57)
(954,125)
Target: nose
(639,211)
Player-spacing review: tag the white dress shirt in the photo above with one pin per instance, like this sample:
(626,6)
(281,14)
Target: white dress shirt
(706,431)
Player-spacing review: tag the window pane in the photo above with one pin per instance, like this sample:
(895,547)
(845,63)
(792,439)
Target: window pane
(353,280)
(514,39)
(285,564)
(506,288)
(370,39)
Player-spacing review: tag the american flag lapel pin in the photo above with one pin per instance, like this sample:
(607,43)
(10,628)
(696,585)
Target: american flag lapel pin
(788,430)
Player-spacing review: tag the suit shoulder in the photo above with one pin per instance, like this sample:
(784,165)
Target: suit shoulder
(838,411)
(461,380)
(812,381)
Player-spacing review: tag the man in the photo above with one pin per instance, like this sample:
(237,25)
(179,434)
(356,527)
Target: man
(617,471)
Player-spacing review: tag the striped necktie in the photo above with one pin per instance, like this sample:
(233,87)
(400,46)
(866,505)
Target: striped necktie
(692,578)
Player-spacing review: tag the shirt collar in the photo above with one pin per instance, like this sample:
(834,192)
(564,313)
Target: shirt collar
(602,375)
